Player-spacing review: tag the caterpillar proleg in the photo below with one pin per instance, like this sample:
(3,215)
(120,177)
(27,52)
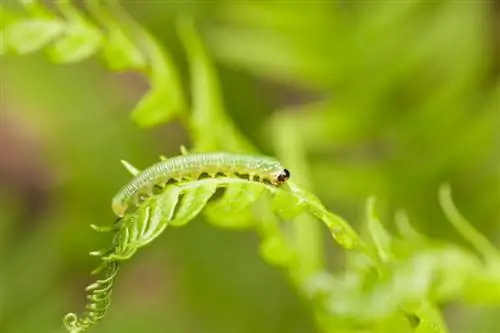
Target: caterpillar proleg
(193,165)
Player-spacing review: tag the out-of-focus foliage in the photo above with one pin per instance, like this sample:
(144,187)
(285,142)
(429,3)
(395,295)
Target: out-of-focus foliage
(394,82)
(376,98)
(73,37)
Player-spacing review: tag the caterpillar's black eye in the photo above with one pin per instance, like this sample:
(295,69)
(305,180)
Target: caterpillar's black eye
(283,176)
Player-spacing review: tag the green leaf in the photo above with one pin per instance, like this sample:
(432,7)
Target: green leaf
(405,228)
(430,319)
(380,236)
(81,38)
(274,247)
(232,210)
(120,53)
(241,219)
(339,229)
(193,201)
(79,42)
(154,108)
(287,205)
(165,100)
(28,36)
(211,128)
(118,50)
(162,212)
(276,250)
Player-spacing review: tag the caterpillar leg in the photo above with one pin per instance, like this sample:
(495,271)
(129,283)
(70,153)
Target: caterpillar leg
(114,226)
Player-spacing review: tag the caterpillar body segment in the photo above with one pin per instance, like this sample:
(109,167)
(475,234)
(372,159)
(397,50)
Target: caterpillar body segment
(191,166)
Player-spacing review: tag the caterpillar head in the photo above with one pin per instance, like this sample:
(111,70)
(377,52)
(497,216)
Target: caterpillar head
(282,176)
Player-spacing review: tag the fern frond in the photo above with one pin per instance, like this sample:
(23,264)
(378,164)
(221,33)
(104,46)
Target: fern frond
(179,203)
(99,299)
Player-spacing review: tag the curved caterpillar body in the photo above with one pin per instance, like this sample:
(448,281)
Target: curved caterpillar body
(192,166)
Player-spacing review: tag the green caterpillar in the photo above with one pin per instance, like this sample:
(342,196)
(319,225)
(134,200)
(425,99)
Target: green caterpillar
(191,167)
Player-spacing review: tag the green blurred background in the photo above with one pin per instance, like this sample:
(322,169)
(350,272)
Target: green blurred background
(389,99)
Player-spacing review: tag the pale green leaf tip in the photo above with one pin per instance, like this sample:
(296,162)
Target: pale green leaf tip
(404,226)
(130,168)
(184,150)
(371,214)
(468,232)
(371,203)
(379,234)
(97,253)
(451,211)
(102,228)
(445,190)
(158,106)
